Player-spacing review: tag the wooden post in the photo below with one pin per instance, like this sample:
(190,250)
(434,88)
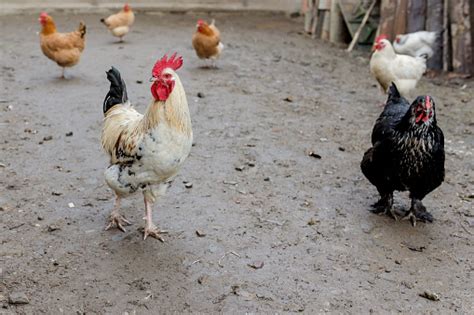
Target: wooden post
(434,23)
(460,35)
(400,23)
(471,15)
(387,14)
(447,61)
(335,33)
(416,15)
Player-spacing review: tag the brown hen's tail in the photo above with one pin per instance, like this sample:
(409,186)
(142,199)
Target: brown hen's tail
(82,29)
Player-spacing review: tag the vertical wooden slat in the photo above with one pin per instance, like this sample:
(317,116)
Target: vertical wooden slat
(434,22)
(447,61)
(460,34)
(416,15)
(387,14)
(471,15)
(400,22)
(337,23)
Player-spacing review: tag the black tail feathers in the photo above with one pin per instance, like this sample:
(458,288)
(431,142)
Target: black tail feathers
(118,90)
(82,29)
(393,93)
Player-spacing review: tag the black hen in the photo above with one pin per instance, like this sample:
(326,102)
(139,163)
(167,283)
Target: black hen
(407,154)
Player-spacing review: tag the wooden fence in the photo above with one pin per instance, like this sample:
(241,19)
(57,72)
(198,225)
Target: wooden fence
(362,20)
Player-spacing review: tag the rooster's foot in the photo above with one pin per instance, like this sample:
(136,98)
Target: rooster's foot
(153,231)
(389,211)
(418,213)
(117,220)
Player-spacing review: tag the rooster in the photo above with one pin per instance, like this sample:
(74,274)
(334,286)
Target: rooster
(417,44)
(63,48)
(387,67)
(119,24)
(207,41)
(407,154)
(146,151)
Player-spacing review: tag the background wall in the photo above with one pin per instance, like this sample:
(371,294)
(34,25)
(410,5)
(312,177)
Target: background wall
(7,6)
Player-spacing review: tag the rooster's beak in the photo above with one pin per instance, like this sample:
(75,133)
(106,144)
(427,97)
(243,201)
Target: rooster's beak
(153,79)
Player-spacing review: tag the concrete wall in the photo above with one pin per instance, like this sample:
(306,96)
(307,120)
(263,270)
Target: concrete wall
(12,6)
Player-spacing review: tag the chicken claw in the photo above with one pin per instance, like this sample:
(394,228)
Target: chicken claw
(418,212)
(117,220)
(153,231)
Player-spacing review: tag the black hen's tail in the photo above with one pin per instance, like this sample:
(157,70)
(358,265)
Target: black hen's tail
(118,91)
(393,94)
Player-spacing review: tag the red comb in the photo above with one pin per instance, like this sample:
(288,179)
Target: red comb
(380,37)
(163,63)
(43,14)
(200,22)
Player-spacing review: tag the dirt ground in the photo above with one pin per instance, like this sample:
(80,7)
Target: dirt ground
(257,195)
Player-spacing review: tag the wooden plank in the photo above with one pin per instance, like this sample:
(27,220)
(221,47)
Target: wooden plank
(416,15)
(387,17)
(447,61)
(337,26)
(400,23)
(460,36)
(471,15)
(326,24)
(434,22)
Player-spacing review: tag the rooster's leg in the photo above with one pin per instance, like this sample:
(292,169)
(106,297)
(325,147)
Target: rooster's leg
(63,73)
(418,212)
(385,205)
(150,227)
(115,218)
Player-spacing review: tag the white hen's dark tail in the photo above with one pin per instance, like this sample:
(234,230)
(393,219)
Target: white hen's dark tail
(118,91)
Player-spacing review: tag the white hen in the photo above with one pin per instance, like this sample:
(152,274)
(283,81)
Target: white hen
(416,44)
(387,67)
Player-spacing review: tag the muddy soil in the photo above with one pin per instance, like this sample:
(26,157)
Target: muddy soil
(257,195)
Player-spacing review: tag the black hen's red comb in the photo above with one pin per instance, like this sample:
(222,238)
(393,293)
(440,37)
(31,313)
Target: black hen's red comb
(174,62)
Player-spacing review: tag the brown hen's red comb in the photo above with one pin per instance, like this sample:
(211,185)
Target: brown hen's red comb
(173,63)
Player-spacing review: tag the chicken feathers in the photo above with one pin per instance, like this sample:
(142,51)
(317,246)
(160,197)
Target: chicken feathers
(407,154)
(387,67)
(63,48)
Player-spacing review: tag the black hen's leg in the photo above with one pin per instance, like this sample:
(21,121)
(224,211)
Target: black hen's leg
(418,212)
(385,205)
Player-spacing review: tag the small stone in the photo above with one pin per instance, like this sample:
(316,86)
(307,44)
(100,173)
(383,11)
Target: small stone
(312,221)
(430,295)
(188,185)
(56,193)
(200,95)
(139,81)
(40,218)
(342,149)
(52,228)
(288,99)
(251,163)
(240,168)
(314,154)
(69,134)
(48,138)
(18,298)
(398,262)
(256,264)
(200,233)
(202,279)
(71,205)
(267,179)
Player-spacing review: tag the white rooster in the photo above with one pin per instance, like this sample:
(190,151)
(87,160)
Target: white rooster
(146,151)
